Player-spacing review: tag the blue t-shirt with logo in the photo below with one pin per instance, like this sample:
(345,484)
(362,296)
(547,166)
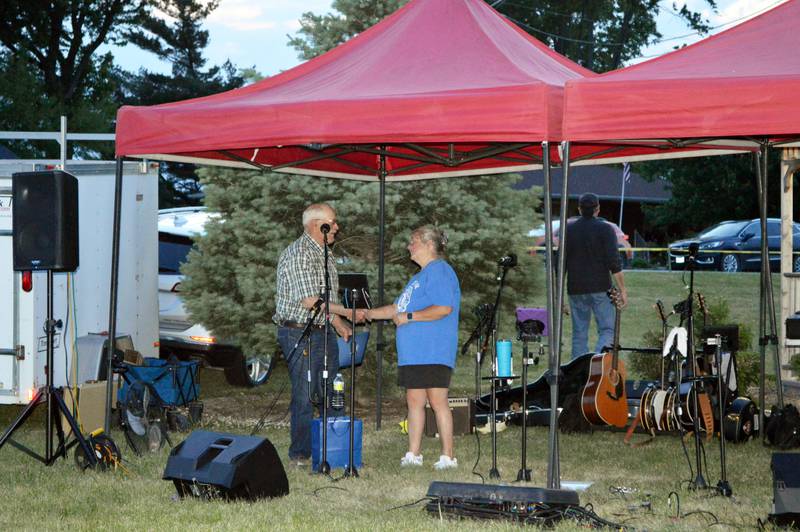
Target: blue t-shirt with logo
(429,342)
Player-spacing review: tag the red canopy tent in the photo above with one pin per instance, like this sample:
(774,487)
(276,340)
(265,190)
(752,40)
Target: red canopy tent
(731,87)
(440,88)
(737,88)
(449,87)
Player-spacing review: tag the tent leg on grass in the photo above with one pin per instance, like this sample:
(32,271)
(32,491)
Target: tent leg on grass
(381,250)
(112,305)
(766,318)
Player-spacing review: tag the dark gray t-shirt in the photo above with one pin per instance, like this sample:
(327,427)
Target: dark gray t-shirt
(592,256)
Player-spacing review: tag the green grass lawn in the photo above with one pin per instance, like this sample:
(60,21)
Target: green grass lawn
(61,497)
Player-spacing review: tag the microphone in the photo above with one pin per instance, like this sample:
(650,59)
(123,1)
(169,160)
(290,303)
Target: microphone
(325,228)
(509,261)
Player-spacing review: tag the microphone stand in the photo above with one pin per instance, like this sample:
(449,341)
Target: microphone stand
(324,466)
(699,482)
(524,474)
(350,470)
(492,335)
(723,487)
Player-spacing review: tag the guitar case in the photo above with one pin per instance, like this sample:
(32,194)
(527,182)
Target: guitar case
(574,375)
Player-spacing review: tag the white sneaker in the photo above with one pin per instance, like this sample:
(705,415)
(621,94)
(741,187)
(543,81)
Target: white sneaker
(445,462)
(411,459)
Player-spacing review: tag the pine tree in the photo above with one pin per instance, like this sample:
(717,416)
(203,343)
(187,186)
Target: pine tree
(230,284)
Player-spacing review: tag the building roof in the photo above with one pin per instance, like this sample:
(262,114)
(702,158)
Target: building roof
(605,181)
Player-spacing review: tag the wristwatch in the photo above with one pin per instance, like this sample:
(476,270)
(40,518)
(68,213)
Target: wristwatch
(409,316)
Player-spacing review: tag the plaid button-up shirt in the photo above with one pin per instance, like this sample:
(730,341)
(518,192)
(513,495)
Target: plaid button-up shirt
(301,274)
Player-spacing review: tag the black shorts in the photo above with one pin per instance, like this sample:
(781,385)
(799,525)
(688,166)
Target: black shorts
(424,376)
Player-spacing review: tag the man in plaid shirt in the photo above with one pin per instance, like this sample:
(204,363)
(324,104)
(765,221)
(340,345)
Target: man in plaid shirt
(300,289)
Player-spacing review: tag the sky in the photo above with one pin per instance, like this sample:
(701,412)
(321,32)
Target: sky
(253,33)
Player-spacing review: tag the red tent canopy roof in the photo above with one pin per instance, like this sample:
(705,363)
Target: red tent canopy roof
(450,77)
(741,82)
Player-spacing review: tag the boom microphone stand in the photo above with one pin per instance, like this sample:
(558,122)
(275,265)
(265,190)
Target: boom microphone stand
(477,336)
(51,396)
(504,264)
(324,466)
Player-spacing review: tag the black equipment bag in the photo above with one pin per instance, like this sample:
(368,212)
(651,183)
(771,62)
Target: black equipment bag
(793,326)
(783,427)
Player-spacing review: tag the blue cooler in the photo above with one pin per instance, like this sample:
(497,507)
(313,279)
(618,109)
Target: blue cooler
(338,442)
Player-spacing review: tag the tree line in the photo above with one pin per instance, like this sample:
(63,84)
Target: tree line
(51,64)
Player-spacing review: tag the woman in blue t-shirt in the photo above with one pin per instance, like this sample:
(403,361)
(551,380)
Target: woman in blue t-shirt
(426,315)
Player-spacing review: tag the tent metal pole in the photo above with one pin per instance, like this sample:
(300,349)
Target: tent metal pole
(761,295)
(768,320)
(552,442)
(381,251)
(559,303)
(112,305)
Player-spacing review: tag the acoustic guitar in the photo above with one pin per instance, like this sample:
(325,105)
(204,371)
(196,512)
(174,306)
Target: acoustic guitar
(604,401)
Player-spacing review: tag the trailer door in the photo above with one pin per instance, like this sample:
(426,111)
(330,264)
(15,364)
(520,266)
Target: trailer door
(9,366)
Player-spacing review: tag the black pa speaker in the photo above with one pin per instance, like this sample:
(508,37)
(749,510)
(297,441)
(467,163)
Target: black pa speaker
(215,465)
(786,489)
(45,221)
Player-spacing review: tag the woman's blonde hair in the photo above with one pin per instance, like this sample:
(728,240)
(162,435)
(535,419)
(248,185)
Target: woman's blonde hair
(431,233)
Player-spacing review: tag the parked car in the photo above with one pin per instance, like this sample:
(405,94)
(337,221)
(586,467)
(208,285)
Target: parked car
(178,333)
(735,235)
(622,239)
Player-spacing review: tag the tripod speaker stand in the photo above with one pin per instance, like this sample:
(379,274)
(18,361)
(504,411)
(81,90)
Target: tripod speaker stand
(45,237)
(53,399)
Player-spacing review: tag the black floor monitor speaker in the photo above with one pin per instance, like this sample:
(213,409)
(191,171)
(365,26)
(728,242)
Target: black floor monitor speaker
(45,221)
(215,465)
(786,489)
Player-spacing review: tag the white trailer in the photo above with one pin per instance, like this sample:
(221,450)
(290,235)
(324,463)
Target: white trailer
(81,299)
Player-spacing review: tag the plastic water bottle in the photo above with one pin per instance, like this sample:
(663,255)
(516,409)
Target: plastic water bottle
(337,399)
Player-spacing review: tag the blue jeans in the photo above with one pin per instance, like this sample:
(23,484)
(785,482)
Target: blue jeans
(581,307)
(302,410)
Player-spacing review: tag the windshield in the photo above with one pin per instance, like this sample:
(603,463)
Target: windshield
(172,252)
(723,230)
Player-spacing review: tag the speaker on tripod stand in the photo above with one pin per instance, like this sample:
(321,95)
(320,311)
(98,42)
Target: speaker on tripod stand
(45,238)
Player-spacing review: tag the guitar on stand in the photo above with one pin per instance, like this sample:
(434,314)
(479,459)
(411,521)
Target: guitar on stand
(604,401)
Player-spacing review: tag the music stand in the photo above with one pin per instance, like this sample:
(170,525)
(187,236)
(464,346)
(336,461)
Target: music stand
(354,281)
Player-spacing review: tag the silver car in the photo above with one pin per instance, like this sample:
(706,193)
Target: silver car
(179,334)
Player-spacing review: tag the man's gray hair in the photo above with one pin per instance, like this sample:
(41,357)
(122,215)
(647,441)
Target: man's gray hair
(431,233)
(316,211)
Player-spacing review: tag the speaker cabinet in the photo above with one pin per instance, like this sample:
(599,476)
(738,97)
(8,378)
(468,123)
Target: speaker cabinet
(215,465)
(45,221)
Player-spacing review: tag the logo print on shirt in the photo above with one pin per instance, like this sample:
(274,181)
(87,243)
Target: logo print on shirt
(405,298)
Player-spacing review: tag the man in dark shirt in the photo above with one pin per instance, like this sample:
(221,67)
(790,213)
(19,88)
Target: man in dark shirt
(592,259)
